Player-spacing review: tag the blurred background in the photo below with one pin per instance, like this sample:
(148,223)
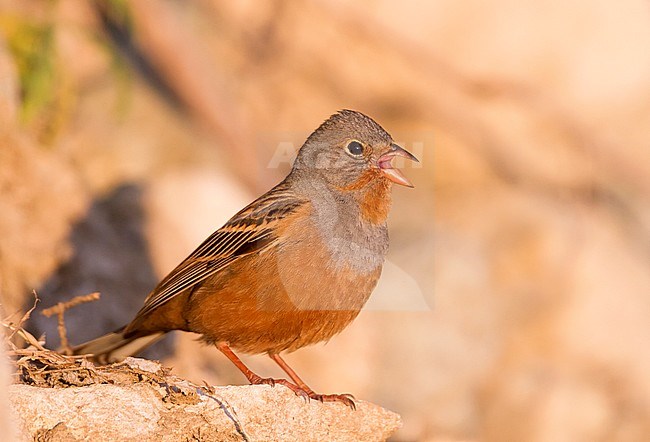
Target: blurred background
(516,300)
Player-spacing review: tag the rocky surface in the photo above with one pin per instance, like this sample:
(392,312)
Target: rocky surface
(166,408)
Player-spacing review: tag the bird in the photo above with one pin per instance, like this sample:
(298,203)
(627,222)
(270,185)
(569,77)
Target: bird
(291,269)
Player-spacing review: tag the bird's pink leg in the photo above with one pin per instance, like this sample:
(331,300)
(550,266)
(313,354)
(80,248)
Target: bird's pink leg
(347,399)
(253,378)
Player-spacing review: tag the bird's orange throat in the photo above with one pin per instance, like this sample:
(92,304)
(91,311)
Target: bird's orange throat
(372,192)
(375,203)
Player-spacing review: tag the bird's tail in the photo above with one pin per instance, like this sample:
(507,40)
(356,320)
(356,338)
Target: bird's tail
(114,347)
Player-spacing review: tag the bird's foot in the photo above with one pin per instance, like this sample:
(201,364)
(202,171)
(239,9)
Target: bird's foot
(346,398)
(307,393)
(257,380)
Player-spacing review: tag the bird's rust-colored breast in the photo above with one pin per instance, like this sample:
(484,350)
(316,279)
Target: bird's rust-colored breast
(291,295)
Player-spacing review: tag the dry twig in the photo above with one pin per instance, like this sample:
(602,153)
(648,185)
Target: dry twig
(17,329)
(60,309)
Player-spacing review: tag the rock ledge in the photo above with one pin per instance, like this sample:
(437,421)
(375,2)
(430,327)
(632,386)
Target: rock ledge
(177,410)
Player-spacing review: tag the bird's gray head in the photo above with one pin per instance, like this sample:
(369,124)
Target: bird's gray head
(349,151)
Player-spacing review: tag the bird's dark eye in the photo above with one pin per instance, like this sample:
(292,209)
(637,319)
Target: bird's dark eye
(355,148)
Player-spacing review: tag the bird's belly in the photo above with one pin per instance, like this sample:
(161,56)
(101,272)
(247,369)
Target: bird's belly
(280,300)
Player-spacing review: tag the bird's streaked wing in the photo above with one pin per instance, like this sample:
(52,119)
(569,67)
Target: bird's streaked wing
(251,230)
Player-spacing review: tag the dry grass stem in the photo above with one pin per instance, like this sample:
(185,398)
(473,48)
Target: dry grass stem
(60,309)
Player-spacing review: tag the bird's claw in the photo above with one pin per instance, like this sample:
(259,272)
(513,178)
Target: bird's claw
(346,399)
(307,395)
(257,380)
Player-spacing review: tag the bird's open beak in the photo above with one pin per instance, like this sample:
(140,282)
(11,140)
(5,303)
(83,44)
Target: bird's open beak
(386,167)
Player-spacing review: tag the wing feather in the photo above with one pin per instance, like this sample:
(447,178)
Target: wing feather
(251,230)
